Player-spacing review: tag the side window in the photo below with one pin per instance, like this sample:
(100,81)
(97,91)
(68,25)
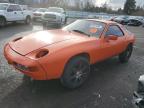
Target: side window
(10,8)
(114,30)
(14,7)
(18,8)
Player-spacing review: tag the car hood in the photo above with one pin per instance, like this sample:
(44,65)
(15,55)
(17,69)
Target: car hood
(40,39)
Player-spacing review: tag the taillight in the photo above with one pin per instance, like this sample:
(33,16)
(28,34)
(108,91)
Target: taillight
(42,53)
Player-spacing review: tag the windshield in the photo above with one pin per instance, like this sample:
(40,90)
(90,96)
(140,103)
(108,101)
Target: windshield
(3,6)
(58,10)
(41,10)
(86,26)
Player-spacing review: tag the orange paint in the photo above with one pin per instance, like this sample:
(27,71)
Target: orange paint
(61,46)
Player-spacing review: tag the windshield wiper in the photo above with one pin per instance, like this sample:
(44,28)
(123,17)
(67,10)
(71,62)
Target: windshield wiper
(81,32)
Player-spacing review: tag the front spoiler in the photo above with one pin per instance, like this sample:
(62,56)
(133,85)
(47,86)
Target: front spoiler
(12,57)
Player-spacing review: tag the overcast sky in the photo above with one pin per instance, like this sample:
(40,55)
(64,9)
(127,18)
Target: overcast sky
(117,3)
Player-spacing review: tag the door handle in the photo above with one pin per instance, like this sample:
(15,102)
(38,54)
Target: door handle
(15,13)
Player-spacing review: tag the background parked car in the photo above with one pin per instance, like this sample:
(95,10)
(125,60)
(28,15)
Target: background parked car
(135,22)
(54,16)
(12,13)
(38,13)
(113,17)
(101,17)
(122,19)
(93,17)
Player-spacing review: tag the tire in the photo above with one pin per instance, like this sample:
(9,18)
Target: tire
(2,22)
(44,26)
(65,21)
(27,79)
(28,20)
(60,25)
(125,56)
(76,72)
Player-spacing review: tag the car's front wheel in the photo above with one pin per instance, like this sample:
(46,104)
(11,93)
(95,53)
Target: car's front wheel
(28,20)
(125,56)
(76,72)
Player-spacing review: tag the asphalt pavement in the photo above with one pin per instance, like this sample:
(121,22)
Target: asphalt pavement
(110,85)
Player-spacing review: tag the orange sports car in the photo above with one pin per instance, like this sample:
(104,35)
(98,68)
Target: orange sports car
(67,53)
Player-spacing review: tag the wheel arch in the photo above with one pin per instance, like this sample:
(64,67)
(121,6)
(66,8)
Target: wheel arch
(28,16)
(1,16)
(82,54)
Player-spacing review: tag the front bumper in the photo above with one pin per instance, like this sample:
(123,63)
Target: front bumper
(37,18)
(36,71)
(51,23)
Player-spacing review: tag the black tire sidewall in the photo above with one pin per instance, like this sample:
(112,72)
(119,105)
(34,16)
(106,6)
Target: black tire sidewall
(65,77)
(4,21)
(28,20)
(123,57)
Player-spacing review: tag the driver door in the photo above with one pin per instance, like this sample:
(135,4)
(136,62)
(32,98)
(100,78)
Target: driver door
(113,47)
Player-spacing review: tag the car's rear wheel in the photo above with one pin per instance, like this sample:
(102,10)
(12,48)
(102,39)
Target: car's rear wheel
(76,72)
(2,21)
(27,79)
(125,56)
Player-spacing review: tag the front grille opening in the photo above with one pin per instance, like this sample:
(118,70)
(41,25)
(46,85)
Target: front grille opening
(50,16)
(21,67)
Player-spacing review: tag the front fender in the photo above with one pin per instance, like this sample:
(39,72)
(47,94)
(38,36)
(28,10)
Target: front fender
(55,62)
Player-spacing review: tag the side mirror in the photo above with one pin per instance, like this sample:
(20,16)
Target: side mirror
(112,37)
(9,10)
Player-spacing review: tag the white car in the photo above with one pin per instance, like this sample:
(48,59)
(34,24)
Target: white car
(37,15)
(12,13)
(54,16)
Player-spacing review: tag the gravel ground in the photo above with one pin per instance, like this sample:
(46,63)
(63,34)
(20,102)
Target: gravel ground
(110,84)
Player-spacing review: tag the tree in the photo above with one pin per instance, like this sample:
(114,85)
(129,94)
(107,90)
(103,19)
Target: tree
(129,6)
(120,11)
(89,5)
